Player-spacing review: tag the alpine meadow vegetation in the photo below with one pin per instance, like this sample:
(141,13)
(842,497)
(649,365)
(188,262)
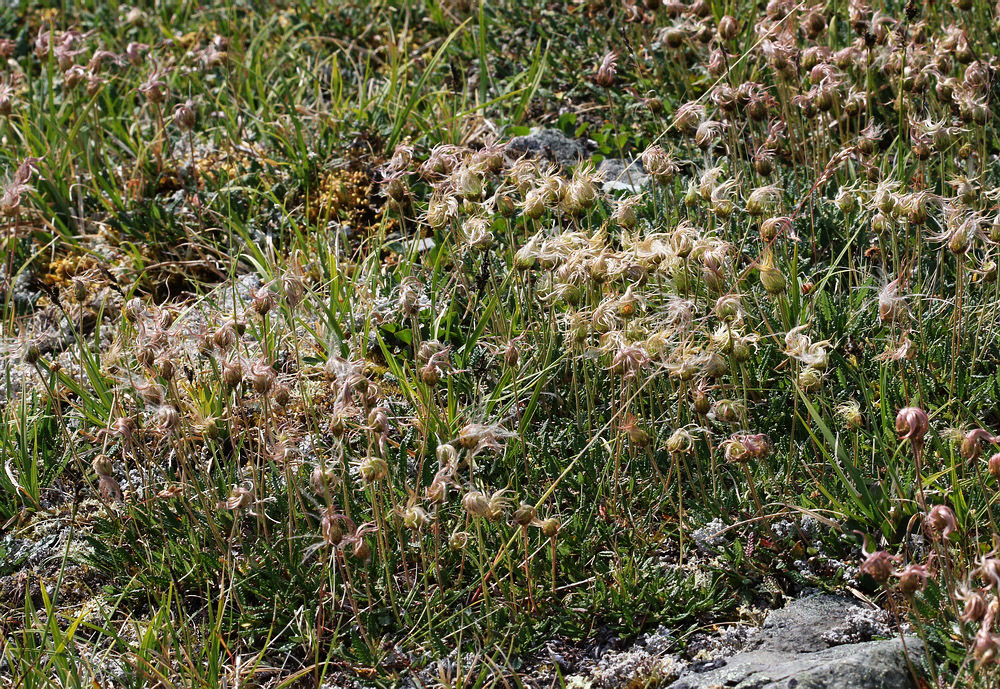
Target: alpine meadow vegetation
(398,342)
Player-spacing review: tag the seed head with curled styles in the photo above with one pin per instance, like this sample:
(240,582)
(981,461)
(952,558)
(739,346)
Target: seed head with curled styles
(293,286)
(709,180)
(680,442)
(215,53)
(427,349)
(262,376)
(10,200)
(647,252)
(332,526)
(986,645)
(477,437)
(912,578)
(411,296)
(879,565)
(361,550)
(636,434)
(476,503)
(735,450)
(993,466)
(683,363)
(629,360)
(810,379)
(771,278)
(799,346)
(378,424)
(534,204)
(437,364)
(373,469)
(763,200)
(126,429)
(458,541)
(497,505)
(581,192)
(467,181)
(437,491)
(232,373)
(728,308)
(713,255)
(678,315)
(846,200)
(78,73)
(402,158)
(154,88)
(106,483)
(971,447)
(523,173)
(729,28)
(227,335)
(413,516)
(527,256)
(442,160)
(912,424)
(512,353)
(151,393)
(447,455)
(708,132)
(717,63)
(700,400)
(168,419)
(476,234)
(658,164)
(262,300)
(490,157)
(324,479)
(32,354)
(525,515)
(988,569)
(501,202)
(605,76)
(744,447)
(772,228)
(974,604)
(891,304)
(729,411)
(758,445)
(624,213)
(962,228)
(185,116)
(850,413)
(134,53)
(712,365)
(343,371)
(239,497)
(940,522)
(688,117)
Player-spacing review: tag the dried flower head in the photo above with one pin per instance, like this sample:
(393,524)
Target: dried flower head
(879,565)
(605,76)
(912,578)
(940,522)
(912,424)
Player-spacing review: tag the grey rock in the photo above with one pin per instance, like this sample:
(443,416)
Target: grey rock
(623,175)
(801,647)
(550,144)
(804,625)
(869,665)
